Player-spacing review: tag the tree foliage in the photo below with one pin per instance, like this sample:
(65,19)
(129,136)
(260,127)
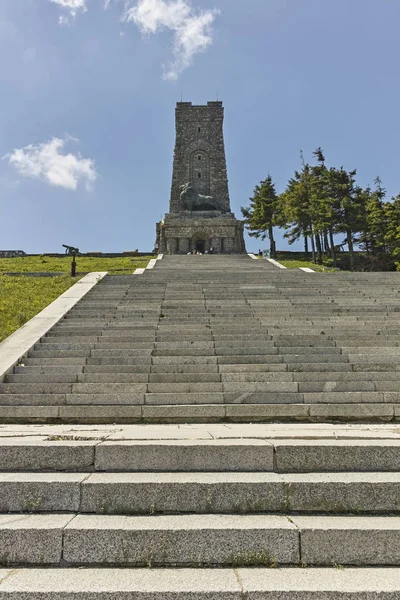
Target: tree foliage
(324,206)
(260,216)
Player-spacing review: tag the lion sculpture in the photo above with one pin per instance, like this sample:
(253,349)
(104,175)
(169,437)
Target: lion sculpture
(192,200)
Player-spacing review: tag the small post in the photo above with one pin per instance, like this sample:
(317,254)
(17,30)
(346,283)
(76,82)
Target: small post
(73,265)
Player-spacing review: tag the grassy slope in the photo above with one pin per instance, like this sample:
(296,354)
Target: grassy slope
(295,264)
(21,298)
(84,264)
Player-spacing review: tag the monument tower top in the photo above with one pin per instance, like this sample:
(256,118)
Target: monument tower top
(199,218)
(199,157)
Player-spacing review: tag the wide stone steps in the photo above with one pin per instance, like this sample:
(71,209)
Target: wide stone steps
(135,493)
(257,453)
(101,384)
(282,391)
(197,413)
(199,497)
(122,349)
(198,540)
(198,584)
(126,374)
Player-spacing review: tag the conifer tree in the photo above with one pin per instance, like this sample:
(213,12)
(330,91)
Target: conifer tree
(349,212)
(392,234)
(296,208)
(260,216)
(376,218)
(324,204)
(320,203)
(362,239)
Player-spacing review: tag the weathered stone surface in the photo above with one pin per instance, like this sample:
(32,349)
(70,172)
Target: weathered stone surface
(37,492)
(320,584)
(31,539)
(255,413)
(352,412)
(118,413)
(146,493)
(200,584)
(19,454)
(197,413)
(119,584)
(338,455)
(185,455)
(339,493)
(373,540)
(181,540)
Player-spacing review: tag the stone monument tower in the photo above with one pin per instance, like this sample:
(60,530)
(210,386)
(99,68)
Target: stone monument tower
(200,217)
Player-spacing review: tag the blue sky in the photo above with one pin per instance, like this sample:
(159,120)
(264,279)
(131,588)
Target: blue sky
(87,105)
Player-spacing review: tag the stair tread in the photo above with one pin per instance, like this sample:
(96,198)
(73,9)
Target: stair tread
(124,584)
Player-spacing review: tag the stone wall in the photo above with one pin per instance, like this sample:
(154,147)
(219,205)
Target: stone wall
(11,253)
(199,155)
(182,234)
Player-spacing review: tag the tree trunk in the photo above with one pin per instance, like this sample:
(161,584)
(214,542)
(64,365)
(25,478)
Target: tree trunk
(351,249)
(333,251)
(306,250)
(319,249)
(326,242)
(313,249)
(321,243)
(272,245)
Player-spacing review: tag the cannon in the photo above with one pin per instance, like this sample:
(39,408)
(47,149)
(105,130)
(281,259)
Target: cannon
(70,250)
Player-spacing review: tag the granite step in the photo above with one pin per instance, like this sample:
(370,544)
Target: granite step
(208,493)
(214,584)
(197,393)
(59,453)
(191,413)
(198,540)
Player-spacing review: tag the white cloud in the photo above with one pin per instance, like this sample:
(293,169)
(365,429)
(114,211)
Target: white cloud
(192,30)
(72,6)
(63,20)
(46,162)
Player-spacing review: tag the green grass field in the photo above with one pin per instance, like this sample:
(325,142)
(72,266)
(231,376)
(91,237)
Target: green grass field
(296,264)
(21,298)
(84,264)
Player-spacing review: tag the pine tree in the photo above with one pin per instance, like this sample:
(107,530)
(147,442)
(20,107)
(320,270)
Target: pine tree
(363,196)
(260,216)
(392,234)
(319,203)
(296,211)
(348,217)
(376,218)
(324,206)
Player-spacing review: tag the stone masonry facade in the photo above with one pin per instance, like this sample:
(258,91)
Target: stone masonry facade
(201,219)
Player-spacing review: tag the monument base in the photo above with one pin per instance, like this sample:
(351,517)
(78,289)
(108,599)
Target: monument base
(204,232)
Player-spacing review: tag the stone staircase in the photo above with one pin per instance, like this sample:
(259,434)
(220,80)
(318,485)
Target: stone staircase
(213,412)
